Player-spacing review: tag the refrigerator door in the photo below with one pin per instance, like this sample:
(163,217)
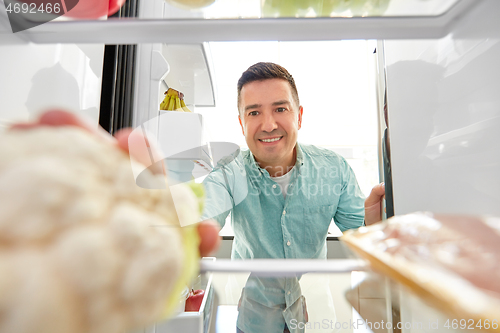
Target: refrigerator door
(444,116)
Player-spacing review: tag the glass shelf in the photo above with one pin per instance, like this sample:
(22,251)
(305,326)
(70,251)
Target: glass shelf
(357,301)
(428,19)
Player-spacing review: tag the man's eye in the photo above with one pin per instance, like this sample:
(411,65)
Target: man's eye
(281,109)
(253,113)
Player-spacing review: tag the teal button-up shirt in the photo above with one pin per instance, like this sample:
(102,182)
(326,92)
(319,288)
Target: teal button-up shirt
(266,225)
(322,187)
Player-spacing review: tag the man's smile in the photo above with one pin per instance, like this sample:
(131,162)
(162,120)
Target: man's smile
(271,140)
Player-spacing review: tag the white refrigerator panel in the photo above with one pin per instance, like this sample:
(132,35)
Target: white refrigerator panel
(444,117)
(40,77)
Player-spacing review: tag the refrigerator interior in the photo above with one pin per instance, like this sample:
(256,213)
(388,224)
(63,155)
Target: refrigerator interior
(459,36)
(440,74)
(440,71)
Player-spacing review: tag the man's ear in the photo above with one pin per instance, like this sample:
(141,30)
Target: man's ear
(241,124)
(301,109)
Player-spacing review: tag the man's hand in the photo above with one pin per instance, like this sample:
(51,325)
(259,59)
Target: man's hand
(209,235)
(373,204)
(208,230)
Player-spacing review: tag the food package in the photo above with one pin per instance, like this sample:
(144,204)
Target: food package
(451,262)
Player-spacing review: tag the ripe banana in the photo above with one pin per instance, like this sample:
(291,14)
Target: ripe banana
(171,104)
(184,107)
(166,101)
(178,105)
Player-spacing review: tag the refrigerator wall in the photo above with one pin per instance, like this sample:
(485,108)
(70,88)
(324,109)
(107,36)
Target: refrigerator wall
(444,117)
(36,77)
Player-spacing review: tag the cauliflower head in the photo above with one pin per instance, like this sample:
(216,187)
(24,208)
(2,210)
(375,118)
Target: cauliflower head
(82,247)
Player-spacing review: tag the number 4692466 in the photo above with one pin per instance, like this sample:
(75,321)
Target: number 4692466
(31,8)
(471,324)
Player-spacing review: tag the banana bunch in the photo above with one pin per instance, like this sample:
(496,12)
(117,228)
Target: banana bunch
(174,101)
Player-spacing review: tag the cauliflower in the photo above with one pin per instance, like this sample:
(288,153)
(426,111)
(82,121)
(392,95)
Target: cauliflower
(82,247)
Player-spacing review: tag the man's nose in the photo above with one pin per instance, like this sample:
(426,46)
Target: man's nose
(269,123)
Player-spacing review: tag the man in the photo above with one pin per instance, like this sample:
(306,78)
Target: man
(269,188)
(282,195)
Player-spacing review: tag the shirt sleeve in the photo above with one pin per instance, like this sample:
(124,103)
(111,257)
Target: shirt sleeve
(351,207)
(218,202)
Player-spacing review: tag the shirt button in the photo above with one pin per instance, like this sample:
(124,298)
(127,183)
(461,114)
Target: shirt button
(288,293)
(288,243)
(284,212)
(274,186)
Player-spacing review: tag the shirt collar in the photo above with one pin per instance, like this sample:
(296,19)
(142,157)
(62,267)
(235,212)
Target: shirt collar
(300,156)
(255,168)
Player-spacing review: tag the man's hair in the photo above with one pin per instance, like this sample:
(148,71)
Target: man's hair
(264,71)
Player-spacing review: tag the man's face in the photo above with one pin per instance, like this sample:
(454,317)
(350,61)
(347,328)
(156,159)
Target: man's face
(270,121)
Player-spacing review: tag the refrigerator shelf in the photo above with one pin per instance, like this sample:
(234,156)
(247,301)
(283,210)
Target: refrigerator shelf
(283,267)
(132,31)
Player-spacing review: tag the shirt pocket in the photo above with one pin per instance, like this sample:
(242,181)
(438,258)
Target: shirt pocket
(317,220)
